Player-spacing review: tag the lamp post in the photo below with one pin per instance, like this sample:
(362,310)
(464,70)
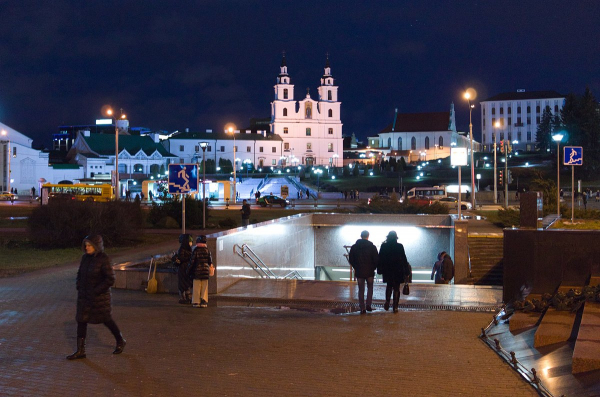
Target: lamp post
(8,151)
(557,138)
(497,125)
(232,132)
(203,145)
(471,106)
(318,171)
(111,113)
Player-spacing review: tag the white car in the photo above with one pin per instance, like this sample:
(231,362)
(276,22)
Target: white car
(7,196)
(452,202)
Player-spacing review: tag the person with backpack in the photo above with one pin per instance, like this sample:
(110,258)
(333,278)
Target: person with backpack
(182,259)
(443,269)
(393,265)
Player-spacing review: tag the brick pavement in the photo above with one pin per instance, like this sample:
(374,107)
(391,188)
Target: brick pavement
(237,351)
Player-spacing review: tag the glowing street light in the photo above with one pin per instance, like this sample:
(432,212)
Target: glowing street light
(231,130)
(203,145)
(9,152)
(557,138)
(497,125)
(470,94)
(112,115)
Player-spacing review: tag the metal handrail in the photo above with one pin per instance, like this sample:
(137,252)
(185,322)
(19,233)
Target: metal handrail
(240,251)
(529,375)
(259,266)
(469,256)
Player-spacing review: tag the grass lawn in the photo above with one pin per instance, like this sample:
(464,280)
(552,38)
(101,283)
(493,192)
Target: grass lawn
(9,211)
(20,257)
(579,224)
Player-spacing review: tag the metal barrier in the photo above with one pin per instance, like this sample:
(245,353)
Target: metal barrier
(259,266)
(530,376)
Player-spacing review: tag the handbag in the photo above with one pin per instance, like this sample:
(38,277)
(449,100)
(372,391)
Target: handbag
(406,289)
(211,271)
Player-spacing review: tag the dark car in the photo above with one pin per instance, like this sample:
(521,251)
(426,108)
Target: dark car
(384,198)
(263,201)
(61,197)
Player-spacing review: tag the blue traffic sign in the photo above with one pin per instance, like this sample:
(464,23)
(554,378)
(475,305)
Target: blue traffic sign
(182,178)
(573,155)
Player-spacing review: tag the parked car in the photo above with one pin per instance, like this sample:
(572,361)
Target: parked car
(269,199)
(8,196)
(452,202)
(384,198)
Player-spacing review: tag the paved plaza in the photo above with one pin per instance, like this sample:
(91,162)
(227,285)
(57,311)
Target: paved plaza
(238,351)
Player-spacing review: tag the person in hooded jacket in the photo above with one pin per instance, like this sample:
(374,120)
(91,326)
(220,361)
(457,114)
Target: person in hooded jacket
(393,265)
(443,264)
(184,282)
(200,272)
(363,257)
(94,279)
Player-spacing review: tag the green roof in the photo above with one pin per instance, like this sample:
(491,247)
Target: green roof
(241,136)
(104,144)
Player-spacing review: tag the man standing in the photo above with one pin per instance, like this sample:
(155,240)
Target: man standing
(363,258)
(245,213)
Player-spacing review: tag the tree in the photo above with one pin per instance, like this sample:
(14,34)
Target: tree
(543,135)
(225,165)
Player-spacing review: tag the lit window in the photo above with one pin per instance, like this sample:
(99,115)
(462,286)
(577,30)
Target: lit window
(309,146)
(330,147)
(285,130)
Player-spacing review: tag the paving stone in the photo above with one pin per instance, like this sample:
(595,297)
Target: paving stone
(586,355)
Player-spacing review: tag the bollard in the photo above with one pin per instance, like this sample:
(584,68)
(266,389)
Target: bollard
(495,320)
(536,380)
(227,204)
(513,359)
(483,335)
(497,342)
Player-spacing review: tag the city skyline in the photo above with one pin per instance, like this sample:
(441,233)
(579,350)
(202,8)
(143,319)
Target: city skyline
(173,66)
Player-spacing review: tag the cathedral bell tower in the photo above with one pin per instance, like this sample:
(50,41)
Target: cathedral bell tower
(327,89)
(284,91)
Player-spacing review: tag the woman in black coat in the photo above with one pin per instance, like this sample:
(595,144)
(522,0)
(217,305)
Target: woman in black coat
(94,279)
(393,265)
(184,282)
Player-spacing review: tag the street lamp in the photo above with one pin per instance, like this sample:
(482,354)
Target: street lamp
(497,125)
(318,171)
(471,106)
(231,130)
(557,138)
(203,145)
(9,152)
(112,115)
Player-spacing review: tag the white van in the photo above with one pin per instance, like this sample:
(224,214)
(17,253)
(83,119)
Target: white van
(434,193)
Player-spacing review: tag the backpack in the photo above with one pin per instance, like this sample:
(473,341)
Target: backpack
(447,269)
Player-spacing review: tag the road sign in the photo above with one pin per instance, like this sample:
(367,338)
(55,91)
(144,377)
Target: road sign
(458,156)
(182,178)
(573,155)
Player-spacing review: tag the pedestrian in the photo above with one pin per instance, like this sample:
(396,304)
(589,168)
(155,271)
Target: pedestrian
(182,260)
(245,213)
(517,195)
(94,279)
(393,265)
(585,200)
(443,269)
(32,192)
(468,195)
(597,195)
(307,194)
(345,195)
(200,269)
(150,195)
(363,257)
(142,196)
(357,195)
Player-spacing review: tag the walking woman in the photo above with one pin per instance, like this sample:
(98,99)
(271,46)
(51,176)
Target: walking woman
(184,283)
(393,265)
(94,279)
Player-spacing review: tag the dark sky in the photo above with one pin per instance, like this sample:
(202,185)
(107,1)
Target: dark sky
(200,64)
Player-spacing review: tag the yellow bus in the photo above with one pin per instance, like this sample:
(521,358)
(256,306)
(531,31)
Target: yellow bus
(76,191)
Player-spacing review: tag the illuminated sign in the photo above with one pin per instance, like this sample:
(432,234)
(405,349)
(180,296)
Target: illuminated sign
(458,156)
(104,121)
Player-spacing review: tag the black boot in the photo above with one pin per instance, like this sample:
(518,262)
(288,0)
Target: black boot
(80,353)
(388,296)
(120,345)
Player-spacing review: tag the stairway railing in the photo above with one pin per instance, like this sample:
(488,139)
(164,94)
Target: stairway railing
(259,266)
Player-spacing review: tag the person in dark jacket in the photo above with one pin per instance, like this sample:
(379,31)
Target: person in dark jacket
(184,283)
(393,265)
(363,257)
(94,279)
(200,265)
(443,269)
(245,213)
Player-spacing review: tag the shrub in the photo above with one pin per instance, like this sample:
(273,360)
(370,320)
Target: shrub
(65,224)
(508,217)
(379,206)
(160,212)
(227,223)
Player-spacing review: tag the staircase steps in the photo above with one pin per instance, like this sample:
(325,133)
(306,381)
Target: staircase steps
(486,259)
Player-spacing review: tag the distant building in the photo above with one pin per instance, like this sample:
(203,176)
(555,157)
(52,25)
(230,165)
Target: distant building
(420,136)
(519,114)
(311,129)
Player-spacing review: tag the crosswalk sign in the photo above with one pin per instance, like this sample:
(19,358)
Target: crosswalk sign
(573,155)
(183,178)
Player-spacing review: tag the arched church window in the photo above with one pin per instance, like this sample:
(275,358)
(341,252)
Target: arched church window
(400,143)
(285,93)
(329,95)
(308,110)
(413,143)
(389,143)
(330,113)
(284,112)
(426,143)
(441,142)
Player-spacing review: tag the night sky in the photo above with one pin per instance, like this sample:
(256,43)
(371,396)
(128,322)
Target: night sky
(201,64)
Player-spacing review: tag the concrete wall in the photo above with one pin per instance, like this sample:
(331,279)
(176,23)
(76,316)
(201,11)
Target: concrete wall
(540,260)
(283,245)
